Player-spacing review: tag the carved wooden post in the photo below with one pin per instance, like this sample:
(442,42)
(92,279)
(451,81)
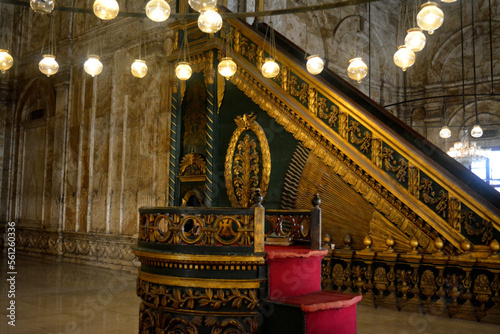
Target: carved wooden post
(316,223)
(258,222)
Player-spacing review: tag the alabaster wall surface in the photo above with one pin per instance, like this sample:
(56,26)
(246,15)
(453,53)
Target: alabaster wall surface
(101,149)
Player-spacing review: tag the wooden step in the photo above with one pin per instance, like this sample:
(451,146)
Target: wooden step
(320,312)
(293,270)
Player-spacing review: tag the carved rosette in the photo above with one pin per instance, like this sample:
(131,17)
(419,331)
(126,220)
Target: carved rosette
(244,164)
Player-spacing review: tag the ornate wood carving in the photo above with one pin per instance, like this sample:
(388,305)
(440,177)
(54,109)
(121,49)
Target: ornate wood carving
(243,165)
(192,164)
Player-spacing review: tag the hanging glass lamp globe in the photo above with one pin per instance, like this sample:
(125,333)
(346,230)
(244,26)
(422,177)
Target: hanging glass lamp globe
(315,64)
(201,5)
(227,67)
(158,10)
(445,132)
(209,21)
(476,131)
(415,39)
(183,71)
(448,1)
(357,69)
(6,60)
(430,17)
(404,57)
(270,69)
(42,6)
(48,65)
(93,65)
(106,9)
(139,68)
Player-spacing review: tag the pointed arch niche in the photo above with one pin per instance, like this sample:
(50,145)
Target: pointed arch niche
(32,152)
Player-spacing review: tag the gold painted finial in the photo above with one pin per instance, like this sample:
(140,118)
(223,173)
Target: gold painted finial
(466,246)
(438,244)
(367,241)
(414,244)
(494,247)
(390,243)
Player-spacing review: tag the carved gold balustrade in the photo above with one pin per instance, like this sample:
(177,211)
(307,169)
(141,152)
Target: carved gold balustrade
(462,286)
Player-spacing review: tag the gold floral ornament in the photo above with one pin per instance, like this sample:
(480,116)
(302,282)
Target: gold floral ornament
(244,164)
(192,165)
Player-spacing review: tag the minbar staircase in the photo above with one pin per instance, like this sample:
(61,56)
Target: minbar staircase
(294,279)
(208,270)
(299,305)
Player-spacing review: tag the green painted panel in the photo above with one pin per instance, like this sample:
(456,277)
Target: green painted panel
(281,143)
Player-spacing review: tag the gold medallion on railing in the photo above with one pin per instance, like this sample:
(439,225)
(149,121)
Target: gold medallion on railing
(246,162)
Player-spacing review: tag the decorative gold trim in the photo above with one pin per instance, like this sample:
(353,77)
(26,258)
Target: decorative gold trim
(208,283)
(200,312)
(389,205)
(193,178)
(423,163)
(201,258)
(245,123)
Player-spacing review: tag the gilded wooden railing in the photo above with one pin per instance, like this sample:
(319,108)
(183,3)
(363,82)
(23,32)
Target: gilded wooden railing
(297,225)
(228,226)
(203,226)
(438,284)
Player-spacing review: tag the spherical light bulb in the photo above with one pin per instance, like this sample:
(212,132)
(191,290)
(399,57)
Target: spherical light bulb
(415,39)
(476,131)
(183,71)
(315,64)
(201,5)
(6,60)
(270,69)
(48,65)
(209,21)
(139,68)
(227,67)
(357,69)
(106,9)
(445,132)
(404,57)
(93,65)
(42,6)
(158,10)
(430,17)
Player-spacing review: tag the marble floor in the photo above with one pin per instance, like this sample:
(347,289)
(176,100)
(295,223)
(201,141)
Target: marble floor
(64,298)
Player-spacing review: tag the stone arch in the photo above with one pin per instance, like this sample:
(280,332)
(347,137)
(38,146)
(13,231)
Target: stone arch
(443,57)
(32,148)
(38,91)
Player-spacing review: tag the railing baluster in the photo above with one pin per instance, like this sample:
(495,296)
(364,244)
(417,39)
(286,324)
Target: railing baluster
(316,223)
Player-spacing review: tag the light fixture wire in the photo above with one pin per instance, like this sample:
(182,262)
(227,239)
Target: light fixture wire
(184,46)
(491,48)
(272,40)
(229,40)
(474,59)
(463,65)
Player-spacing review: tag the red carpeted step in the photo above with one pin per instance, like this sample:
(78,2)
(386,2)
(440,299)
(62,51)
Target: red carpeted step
(320,312)
(293,270)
